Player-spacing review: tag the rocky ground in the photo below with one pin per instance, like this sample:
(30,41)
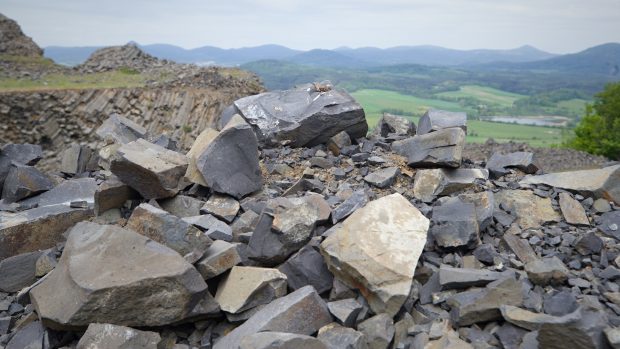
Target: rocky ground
(289,228)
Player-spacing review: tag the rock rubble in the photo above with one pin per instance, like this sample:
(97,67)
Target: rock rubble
(340,241)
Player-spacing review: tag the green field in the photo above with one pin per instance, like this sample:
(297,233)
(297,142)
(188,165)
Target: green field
(486,95)
(374,101)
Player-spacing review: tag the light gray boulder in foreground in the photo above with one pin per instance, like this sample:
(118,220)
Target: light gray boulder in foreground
(377,249)
(443,148)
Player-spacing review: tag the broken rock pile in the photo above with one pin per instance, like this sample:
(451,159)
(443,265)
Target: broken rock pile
(290,228)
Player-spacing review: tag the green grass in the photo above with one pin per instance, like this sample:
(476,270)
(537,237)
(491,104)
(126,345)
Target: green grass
(486,95)
(577,106)
(374,101)
(113,79)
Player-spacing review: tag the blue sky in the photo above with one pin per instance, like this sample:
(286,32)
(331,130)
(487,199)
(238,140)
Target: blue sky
(559,26)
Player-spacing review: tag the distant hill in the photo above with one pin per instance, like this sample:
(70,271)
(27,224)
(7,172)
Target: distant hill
(601,60)
(440,56)
(329,59)
(340,57)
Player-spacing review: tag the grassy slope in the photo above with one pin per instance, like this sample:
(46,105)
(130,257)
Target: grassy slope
(374,101)
(487,95)
(61,81)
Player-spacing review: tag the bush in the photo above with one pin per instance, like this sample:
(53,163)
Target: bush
(598,132)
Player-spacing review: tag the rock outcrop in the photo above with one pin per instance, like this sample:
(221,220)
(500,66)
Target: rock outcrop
(14,42)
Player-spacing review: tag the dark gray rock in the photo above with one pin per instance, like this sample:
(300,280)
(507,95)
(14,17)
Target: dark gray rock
(609,224)
(280,340)
(75,159)
(338,142)
(120,130)
(153,171)
(302,116)
(393,124)
(547,271)
(345,311)
(307,267)
(435,120)
(455,224)
(220,257)
(560,303)
(356,200)
(30,336)
(23,154)
(443,148)
(335,336)
(113,336)
(500,164)
(301,312)
(18,271)
(458,278)
(108,274)
(112,193)
(169,230)
(24,181)
(580,329)
(182,206)
(589,244)
(483,305)
(213,227)
(229,164)
(379,331)
(383,178)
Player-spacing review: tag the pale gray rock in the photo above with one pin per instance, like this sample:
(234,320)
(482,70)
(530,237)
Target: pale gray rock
(169,230)
(435,120)
(598,183)
(431,183)
(443,148)
(120,130)
(153,171)
(547,271)
(531,210)
(381,266)
(335,336)
(220,257)
(572,210)
(214,228)
(108,336)
(222,206)
(247,287)
(383,178)
(393,124)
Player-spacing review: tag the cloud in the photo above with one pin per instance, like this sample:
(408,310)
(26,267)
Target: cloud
(554,25)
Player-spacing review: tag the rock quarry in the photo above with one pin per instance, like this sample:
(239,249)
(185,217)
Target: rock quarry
(284,222)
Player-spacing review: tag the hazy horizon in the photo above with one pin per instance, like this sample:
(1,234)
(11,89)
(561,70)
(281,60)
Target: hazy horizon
(554,26)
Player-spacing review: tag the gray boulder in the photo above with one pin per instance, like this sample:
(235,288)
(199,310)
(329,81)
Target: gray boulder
(435,120)
(112,275)
(18,271)
(395,125)
(500,164)
(248,287)
(429,184)
(443,148)
(24,181)
(575,331)
(120,130)
(302,116)
(455,224)
(220,257)
(307,267)
(182,206)
(301,312)
(379,331)
(229,163)
(169,230)
(383,178)
(153,171)
(108,336)
(222,206)
(338,141)
(335,336)
(76,159)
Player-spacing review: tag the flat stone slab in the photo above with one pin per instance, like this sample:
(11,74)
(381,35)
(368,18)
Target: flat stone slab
(599,183)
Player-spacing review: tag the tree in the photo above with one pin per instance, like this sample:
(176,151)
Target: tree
(598,132)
